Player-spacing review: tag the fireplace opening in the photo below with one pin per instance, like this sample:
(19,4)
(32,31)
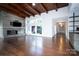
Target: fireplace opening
(12,32)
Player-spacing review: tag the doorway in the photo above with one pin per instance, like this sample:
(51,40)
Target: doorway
(61,27)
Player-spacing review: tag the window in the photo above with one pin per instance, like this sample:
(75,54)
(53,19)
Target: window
(39,29)
(36,29)
(33,29)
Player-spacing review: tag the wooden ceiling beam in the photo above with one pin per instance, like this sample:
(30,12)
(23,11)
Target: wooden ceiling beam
(56,6)
(62,5)
(7,10)
(20,9)
(26,8)
(6,6)
(44,7)
(15,6)
(30,7)
(59,5)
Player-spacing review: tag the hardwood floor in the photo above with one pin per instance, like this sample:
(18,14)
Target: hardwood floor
(37,46)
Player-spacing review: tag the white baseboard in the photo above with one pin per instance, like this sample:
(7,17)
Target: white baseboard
(39,35)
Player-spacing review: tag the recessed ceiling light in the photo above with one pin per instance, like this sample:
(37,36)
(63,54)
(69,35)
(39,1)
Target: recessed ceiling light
(33,4)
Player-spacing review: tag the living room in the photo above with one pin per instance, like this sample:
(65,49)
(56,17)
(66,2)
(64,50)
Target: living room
(34,29)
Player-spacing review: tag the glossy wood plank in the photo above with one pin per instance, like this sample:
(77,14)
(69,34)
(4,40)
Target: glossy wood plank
(37,46)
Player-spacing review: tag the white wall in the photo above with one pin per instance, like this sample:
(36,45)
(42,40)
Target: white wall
(48,21)
(1,26)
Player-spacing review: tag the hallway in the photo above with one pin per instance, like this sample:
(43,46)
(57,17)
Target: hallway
(37,46)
